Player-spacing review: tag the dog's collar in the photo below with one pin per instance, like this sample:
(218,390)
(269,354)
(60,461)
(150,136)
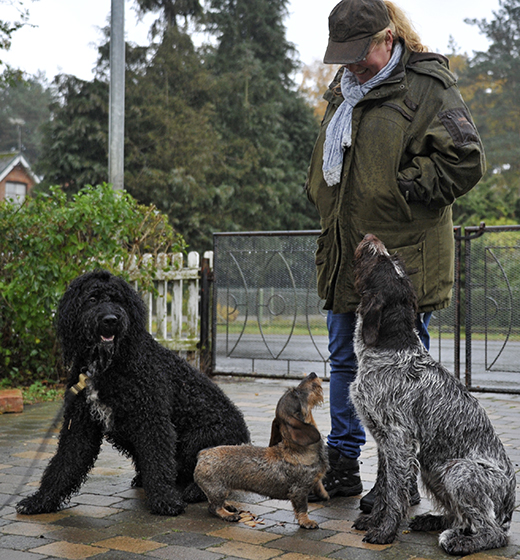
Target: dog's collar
(84,379)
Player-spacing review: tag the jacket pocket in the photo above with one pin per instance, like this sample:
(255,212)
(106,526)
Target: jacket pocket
(325,259)
(413,257)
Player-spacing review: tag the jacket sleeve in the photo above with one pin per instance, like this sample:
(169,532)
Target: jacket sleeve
(445,155)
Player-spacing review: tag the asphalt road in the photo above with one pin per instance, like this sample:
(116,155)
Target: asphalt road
(280,356)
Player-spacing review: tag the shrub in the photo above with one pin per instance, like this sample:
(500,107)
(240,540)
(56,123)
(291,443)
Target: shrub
(48,241)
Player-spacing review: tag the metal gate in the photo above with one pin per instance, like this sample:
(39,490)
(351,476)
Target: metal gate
(267,317)
(492,308)
(268,320)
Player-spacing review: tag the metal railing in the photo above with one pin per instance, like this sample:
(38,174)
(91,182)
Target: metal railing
(268,320)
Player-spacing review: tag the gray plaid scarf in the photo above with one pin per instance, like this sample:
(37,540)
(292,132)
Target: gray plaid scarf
(339,131)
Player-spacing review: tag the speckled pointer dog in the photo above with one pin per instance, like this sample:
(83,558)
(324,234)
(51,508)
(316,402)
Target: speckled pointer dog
(291,467)
(421,417)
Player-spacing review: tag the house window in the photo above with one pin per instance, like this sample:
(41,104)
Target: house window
(15,191)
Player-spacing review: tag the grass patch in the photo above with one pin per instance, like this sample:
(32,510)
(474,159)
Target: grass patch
(40,392)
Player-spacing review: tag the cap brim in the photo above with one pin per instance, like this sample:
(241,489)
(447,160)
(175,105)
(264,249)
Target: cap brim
(347,52)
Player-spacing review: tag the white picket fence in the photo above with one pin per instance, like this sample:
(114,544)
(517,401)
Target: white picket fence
(177,284)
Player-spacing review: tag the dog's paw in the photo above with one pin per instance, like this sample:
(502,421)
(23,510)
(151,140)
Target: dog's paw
(192,494)
(308,523)
(377,536)
(33,505)
(461,543)
(166,508)
(226,512)
(363,523)
(429,522)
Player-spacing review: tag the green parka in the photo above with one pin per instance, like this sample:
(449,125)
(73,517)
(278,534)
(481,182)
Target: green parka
(414,150)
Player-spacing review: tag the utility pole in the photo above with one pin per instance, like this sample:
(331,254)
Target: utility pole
(18,123)
(116,119)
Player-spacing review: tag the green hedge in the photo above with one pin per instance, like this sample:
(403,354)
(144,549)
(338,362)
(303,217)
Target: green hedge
(44,244)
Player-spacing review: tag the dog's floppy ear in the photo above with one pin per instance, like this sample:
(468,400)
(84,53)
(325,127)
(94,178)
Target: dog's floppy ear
(276,434)
(371,312)
(299,432)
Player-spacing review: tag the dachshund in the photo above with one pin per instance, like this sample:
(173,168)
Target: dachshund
(293,464)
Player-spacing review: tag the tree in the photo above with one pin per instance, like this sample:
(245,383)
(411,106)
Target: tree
(267,128)
(316,78)
(173,151)
(496,103)
(75,140)
(7,28)
(216,136)
(170,11)
(24,108)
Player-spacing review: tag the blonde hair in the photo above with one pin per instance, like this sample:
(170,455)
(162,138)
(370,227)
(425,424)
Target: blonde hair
(401,28)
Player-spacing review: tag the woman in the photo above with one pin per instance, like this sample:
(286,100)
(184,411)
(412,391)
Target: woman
(396,147)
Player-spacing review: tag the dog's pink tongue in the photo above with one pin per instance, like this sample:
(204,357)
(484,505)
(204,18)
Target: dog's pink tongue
(109,339)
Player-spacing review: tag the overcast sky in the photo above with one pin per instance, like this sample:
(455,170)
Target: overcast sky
(66,32)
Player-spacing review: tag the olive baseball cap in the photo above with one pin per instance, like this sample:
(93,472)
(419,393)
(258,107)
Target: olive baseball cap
(352,23)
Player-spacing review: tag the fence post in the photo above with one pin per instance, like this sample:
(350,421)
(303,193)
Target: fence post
(177,262)
(162,302)
(205,298)
(458,280)
(193,296)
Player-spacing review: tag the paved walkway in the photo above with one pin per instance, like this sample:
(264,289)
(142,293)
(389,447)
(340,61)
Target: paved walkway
(108,520)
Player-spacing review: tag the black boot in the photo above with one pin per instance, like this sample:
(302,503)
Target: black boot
(342,478)
(367,501)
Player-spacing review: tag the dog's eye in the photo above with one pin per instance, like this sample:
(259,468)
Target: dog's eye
(92,299)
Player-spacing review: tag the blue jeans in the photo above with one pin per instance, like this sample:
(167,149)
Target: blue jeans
(347,434)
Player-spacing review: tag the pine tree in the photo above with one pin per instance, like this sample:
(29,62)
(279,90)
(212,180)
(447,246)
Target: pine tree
(496,103)
(267,127)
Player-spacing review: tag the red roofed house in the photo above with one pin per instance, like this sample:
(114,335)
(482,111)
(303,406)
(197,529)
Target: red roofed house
(16,177)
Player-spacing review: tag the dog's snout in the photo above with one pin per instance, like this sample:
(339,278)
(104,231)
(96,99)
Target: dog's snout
(108,325)
(109,321)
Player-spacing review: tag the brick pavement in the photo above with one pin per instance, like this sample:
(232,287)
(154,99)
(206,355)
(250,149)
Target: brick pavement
(108,520)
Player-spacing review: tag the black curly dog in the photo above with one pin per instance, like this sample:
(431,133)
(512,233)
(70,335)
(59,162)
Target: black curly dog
(148,402)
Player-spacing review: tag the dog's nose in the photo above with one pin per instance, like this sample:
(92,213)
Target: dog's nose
(109,321)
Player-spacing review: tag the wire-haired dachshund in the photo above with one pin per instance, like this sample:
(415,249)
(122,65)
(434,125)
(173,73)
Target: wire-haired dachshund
(291,467)
(422,417)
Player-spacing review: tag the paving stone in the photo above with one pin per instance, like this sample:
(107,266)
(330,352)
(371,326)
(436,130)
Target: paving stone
(67,550)
(85,535)
(304,534)
(8,554)
(298,556)
(305,546)
(245,550)
(188,540)
(85,522)
(96,500)
(119,555)
(21,542)
(354,539)
(245,535)
(28,529)
(129,544)
(185,553)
